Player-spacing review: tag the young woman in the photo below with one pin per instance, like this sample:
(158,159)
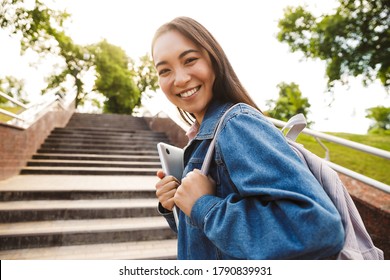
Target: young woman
(258,201)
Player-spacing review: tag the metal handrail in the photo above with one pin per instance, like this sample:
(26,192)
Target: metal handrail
(9,114)
(36,109)
(148,102)
(338,140)
(350,144)
(13,100)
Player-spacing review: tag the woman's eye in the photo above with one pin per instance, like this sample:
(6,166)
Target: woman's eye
(191,59)
(163,71)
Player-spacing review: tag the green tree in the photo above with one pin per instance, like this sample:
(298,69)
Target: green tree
(77,62)
(13,87)
(289,103)
(40,29)
(146,75)
(381,117)
(354,40)
(114,78)
(33,22)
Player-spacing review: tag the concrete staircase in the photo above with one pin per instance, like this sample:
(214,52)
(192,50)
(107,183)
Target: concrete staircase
(98,145)
(88,193)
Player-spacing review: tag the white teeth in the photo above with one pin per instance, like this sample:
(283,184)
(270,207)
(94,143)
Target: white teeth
(189,93)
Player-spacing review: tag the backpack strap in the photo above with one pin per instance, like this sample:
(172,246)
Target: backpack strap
(209,155)
(295,125)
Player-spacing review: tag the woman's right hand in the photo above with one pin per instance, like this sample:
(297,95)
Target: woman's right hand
(166,189)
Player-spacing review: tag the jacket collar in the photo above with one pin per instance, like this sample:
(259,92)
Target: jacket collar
(210,121)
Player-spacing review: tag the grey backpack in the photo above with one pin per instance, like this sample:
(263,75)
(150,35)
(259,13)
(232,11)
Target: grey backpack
(358,244)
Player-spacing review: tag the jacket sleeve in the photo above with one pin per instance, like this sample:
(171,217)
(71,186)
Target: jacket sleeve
(280,211)
(168,215)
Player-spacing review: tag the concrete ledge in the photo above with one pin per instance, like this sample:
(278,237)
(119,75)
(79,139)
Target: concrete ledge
(18,145)
(374,208)
(175,133)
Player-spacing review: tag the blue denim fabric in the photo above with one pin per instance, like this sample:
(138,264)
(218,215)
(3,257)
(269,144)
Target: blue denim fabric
(267,204)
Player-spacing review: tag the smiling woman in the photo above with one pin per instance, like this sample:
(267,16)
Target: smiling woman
(258,201)
(185,72)
(191,54)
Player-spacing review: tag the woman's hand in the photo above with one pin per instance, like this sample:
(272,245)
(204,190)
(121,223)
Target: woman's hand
(166,189)
(193,186)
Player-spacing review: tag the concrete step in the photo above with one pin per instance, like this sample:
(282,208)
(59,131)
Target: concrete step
(87,170)
(109,120)
(110,124)
(92,157)
(100,152)
(93,140)
(105,136)
(73,194)
(131,126)
(108,138)
(63,187)
(105,146)
(140,250)
(45,210)
(81,232)
(93,163)
(106,131)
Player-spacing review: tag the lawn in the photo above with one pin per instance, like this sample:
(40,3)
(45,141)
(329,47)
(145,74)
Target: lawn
(369,165)
(15,110)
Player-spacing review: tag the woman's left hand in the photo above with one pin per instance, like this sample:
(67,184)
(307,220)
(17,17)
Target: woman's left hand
(193,186)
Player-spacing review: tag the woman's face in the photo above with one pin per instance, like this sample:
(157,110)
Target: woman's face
(185,72)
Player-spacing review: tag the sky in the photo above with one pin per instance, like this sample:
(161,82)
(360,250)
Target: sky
(246,29)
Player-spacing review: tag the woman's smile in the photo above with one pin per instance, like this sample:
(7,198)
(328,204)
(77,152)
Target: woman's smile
(189,93)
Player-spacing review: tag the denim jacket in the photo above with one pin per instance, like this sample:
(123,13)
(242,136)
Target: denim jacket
(267,204)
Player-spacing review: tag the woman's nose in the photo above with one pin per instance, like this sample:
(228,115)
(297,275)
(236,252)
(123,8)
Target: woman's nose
(181,78)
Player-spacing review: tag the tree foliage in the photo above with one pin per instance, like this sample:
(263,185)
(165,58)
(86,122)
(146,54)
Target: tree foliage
(289,103)
(12,87)
(33,22)
(77,64)
(115,79)
(146,78)
(381,117)
(41,29)
(354,40)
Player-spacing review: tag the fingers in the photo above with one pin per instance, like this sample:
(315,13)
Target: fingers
(160,174)
(166,189)
(165,180)
(193,186)
(167,199)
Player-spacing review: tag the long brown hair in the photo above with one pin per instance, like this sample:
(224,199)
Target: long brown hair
(227,87)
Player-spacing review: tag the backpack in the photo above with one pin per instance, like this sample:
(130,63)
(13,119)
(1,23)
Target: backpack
(358,244)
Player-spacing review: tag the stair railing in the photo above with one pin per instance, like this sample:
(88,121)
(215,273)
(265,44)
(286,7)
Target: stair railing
(350,144)
(33,111)
(151,106)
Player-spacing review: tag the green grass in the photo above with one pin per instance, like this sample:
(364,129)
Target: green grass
(15,110)
(369,165)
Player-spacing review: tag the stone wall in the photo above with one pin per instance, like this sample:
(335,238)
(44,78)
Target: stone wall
(175,133)
(18,145)
(374,208)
